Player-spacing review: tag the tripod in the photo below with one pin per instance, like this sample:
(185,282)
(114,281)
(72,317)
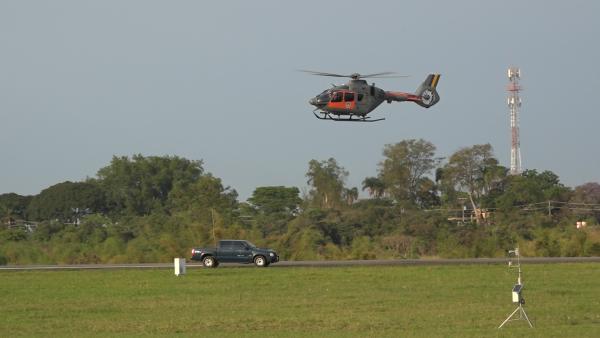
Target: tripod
(522,316)
(517,294)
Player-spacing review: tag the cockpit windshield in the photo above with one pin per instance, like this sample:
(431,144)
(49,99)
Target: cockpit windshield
(324,97)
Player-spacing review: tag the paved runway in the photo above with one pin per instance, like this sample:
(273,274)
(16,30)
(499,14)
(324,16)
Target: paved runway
(289,264)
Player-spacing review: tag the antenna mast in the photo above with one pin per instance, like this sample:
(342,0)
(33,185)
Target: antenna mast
(514,103)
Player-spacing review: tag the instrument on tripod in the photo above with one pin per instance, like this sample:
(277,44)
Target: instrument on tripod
(517,291)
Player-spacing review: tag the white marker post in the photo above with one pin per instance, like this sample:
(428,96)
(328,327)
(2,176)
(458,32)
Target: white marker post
(179,264)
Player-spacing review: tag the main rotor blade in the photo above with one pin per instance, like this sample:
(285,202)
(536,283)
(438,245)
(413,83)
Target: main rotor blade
(322,73)
(384,75)
(378,74)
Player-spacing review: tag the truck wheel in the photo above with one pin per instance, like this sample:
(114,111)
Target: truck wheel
(209,262)
(260,261)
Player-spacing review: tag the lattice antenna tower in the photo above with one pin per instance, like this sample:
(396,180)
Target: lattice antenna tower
(514,103)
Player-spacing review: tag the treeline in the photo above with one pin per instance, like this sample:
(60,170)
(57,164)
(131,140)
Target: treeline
(151,209)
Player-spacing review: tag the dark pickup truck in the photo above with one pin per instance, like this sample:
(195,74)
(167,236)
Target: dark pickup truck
(234,251)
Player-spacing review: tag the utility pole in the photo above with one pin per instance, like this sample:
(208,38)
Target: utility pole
(212,217)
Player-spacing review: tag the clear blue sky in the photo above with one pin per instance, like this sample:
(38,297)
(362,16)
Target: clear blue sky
(81,81)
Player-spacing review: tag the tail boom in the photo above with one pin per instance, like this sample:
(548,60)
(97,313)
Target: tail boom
(425,96)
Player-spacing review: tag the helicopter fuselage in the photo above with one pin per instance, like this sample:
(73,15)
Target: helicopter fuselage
(354,98)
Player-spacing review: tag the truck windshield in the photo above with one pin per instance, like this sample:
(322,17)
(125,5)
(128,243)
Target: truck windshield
(250,244)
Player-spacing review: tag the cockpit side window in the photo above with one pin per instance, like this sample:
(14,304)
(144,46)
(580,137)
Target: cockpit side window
(349,97)
(336,97)
(360,97)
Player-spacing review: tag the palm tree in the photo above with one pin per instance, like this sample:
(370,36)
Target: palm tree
(351,195)
(374,185)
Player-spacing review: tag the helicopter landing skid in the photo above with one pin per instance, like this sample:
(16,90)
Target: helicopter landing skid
(327,116)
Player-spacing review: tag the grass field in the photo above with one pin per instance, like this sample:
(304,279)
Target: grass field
(563,300)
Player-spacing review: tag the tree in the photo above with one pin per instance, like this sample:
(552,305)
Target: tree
(494,176)
(533,187)
(374,185)
(588,193)
(66,201)
(270,209)
(327,179)
(140,185)
(350,195)
(405,164)
(277,199)
(466,171)
(549,183)
(203,195)
(427,193)
(14,205)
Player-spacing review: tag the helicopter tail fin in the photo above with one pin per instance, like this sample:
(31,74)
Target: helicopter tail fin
(426,91)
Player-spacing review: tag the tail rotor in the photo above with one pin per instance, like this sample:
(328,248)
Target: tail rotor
(426,91)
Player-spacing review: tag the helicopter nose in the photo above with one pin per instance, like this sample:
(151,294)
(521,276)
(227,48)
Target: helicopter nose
(315,101)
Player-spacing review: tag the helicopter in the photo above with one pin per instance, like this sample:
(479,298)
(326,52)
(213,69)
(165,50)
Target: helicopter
(353,101)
